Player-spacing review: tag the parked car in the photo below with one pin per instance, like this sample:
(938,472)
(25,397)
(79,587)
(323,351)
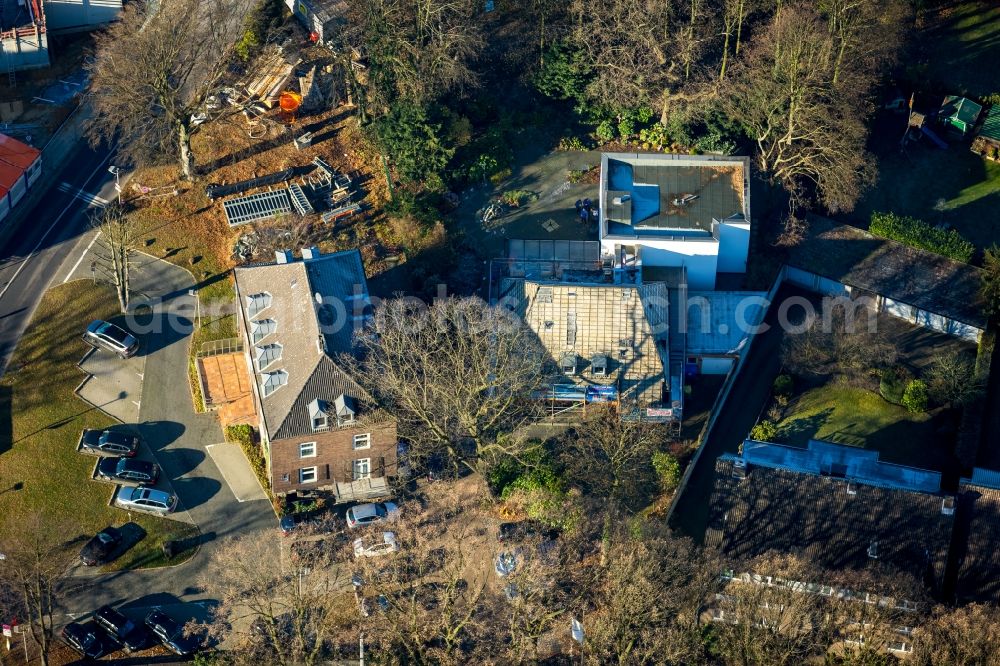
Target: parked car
(87,639)
(128,469)
(171,633)
(109,443)
(367,514)
(100,547)
(370,547)
(143,498)
(107,336)
(132,636)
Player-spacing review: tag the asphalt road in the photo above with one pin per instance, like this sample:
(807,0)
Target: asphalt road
(36,255)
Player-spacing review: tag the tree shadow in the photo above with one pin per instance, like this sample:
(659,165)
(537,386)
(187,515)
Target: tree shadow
(799,430)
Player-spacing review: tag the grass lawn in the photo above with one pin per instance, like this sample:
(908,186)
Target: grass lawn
(857,417)
(960,40)
(40,423)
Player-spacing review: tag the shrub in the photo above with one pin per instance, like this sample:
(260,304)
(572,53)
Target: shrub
(241,434)
(626,128)
(716,143)
(920,234)
(668,470)
(891,385)
(605,130)
(765,431)
(783,385)
(518,198)
(656,135)
(572,143)
(915,396)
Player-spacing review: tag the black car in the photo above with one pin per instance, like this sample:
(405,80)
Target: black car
(88,639)
(128,469)
(110,443)
(133,636)
(100,548)
(171,633)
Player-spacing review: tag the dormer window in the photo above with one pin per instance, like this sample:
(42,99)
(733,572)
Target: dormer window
(273,381)
(261,329)
(344,408)
(317,415)
(599,365)
(268,354)
(257,303)
(948,506)
(567,364)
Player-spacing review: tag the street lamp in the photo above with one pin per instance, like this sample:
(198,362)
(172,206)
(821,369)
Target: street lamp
(115,171)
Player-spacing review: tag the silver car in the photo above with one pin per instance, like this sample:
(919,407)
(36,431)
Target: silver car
(115,339)
(144,498)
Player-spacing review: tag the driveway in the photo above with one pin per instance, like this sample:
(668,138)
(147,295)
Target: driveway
(178,438)
(112,384)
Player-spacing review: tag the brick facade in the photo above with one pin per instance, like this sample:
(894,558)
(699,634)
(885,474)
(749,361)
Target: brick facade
(335,456)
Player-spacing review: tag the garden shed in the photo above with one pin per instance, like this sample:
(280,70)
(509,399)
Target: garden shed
(987,141)
(960,113)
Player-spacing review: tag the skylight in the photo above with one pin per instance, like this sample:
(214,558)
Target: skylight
(273,381)
(262,328)
(256,303)
(268,354)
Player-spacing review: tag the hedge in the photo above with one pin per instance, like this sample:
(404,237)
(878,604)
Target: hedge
(918,233)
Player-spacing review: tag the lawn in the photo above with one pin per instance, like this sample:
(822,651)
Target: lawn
(837,412)
(40,423)
(959,46)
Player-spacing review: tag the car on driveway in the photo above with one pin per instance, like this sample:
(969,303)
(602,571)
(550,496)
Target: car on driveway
(100,547)
(132,636)
(115,339)
(171,633)
(383,543)
(87,639)
(367,514)
(128,470)
(109,443)
(143,498)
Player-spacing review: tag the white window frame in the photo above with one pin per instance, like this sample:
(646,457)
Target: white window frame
(356,475)
(303,471)
(307,455)
(322,426)
(364,437)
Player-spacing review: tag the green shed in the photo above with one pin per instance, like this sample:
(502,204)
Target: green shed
(960,113)
(987,141)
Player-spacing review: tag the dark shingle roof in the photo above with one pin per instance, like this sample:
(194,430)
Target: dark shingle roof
(832,521)
(977,553)
(915,277)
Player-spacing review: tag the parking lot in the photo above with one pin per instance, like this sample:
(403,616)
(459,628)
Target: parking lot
(112,384)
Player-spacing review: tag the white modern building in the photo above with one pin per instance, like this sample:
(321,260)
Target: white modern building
(661,210)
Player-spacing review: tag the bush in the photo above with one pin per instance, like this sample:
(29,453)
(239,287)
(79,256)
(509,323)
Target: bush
(626,128)
(915,397)
(413,141)
(668,470)
(656,135)
(605,130)
(518,198)
(241,434)
(783,385)
(765,431)
(891,385)
(572,143)
(920,234)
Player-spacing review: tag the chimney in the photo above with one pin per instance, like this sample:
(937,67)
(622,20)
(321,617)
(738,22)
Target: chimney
(310,253)
(283,256)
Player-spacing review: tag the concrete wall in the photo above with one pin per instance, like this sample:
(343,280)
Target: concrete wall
(734,247)
(25,52)
(80,15)
(699,257)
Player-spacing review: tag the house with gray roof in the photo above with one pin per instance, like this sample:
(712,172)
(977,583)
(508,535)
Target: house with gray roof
(318,428)
(976,553)
(839,506)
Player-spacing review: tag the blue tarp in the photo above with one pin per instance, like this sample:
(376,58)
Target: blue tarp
(645,202)
(619,175)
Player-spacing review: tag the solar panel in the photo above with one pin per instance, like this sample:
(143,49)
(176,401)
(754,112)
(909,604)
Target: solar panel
(260,206)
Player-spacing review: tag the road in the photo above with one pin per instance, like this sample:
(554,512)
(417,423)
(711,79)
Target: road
(38,254)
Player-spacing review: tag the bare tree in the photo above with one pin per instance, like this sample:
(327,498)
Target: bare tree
(734,16)
(966,636)
(457,371)
(864,31)
(810,131)
(953,379)
(281,616)
(116,248)
(34,560)
(153,70)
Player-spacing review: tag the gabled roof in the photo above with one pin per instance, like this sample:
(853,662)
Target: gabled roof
(626,323)
(991,126)
(761,504)
(316,306)
(16,153)
(906,274)
(961,108)
(977,553)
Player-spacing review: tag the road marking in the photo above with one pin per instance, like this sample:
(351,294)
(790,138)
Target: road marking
(92,199)
(52,226)
(80,260)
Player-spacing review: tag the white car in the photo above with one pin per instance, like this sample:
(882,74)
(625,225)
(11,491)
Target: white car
(384,546)
(143,498)
(366,514)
